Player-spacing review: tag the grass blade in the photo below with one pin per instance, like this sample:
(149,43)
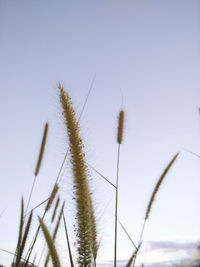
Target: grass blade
(50,243)
(68,243)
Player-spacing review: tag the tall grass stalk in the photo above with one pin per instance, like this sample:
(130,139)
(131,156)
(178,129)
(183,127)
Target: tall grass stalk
(86,225)
(119,141)
(39,161)
(152,198)
(68,243)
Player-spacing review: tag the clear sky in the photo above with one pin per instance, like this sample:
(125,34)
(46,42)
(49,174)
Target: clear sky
(145,57)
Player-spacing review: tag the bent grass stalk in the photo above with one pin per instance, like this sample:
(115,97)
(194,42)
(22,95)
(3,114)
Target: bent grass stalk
(152,198)
(39,161)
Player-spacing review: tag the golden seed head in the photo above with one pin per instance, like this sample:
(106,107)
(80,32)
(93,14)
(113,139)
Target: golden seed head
(157,186)
(52,196)
(86,227)
(120,127)
(41,149)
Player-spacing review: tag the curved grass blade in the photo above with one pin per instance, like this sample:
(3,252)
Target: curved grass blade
(50,243)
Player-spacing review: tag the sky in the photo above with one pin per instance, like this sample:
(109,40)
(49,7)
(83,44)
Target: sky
(142,56)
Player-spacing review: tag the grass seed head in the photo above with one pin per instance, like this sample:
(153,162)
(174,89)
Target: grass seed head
(120,127)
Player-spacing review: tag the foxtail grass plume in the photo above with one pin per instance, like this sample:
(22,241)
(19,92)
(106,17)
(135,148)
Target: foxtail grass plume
(86,225)
(41,149)
(157,186)
(55,209)
(120,127)
(52,196)
(38,163)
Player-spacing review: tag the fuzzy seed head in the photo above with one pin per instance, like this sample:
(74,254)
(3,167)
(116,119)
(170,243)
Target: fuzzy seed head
(52,196)
(86,227)
(41,149)
(120,127)
(157,186)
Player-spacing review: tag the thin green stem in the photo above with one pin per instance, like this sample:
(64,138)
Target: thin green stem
(139,242)
(127,234)
(28,254)
(37,206)
(116,208)
(101,175)
(30,195)
(68,244)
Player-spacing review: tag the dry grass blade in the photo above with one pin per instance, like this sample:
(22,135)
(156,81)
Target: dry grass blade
(52,197)
(20,229)
(37,206)
(191,152)
(156,188)
(101,175)
(55,232)
(2,212)
(68,243)
(50,243)
(127,234)
(23,242)
(85,211)
(12,253)
(55,210)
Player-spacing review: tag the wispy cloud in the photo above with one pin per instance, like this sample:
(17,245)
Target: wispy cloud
(169,246)
(164,254)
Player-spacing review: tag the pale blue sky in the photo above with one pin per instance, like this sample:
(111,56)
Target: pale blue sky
(144,52)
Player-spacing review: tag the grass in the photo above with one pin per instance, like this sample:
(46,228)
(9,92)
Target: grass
(87,237)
